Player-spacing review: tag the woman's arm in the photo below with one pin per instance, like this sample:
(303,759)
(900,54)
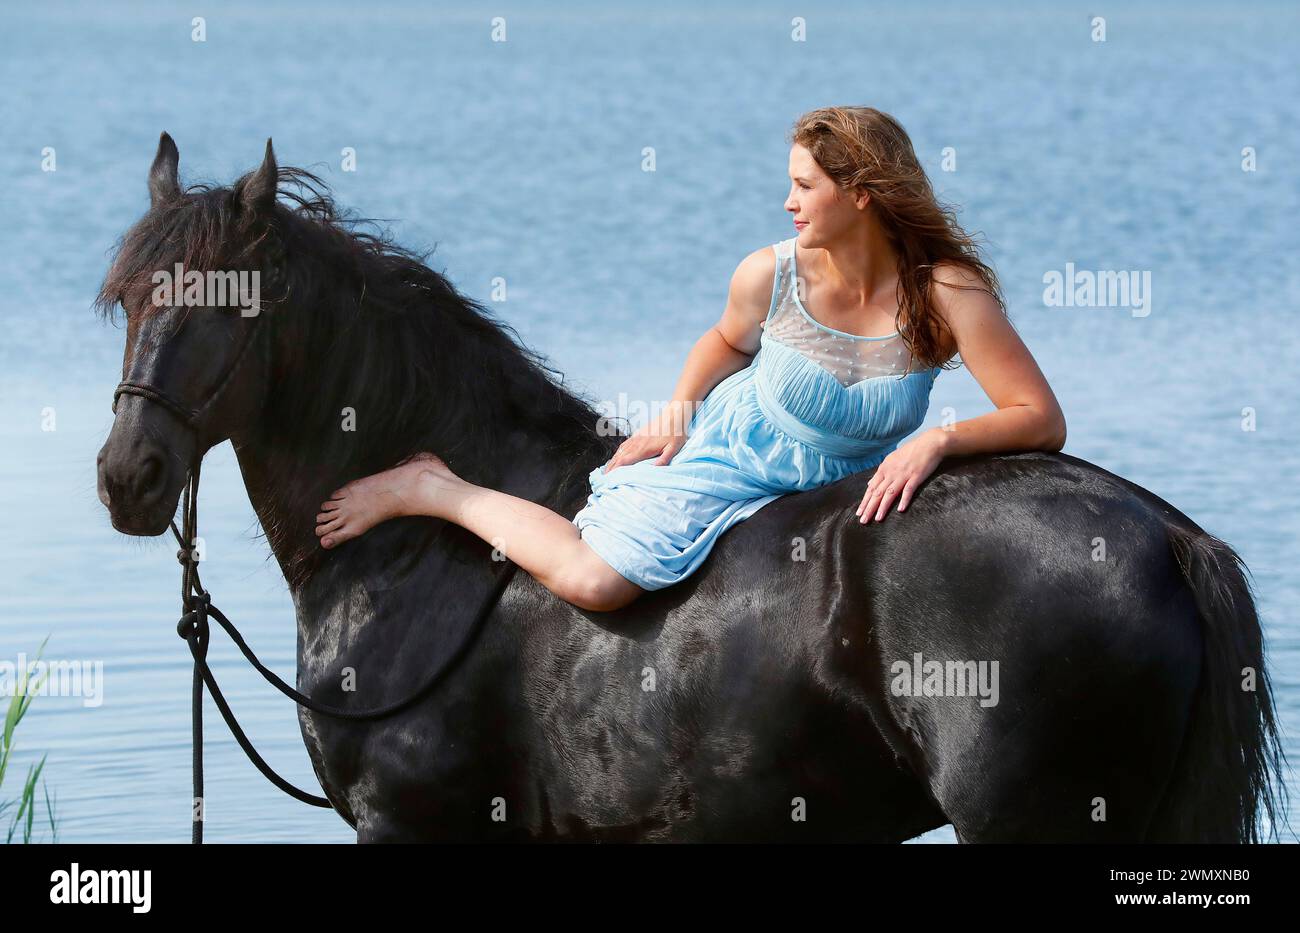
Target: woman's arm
(727,347)
(1028,416)
(730,344)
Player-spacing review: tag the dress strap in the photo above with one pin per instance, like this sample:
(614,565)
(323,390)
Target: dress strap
(780,275)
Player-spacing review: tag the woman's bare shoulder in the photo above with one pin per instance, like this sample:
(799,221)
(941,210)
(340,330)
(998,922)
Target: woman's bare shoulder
(961,300)
(751,283)
(748,301)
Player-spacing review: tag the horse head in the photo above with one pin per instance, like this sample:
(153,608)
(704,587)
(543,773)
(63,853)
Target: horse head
(195,277)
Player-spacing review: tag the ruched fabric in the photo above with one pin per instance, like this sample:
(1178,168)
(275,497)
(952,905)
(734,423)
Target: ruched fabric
(783,424)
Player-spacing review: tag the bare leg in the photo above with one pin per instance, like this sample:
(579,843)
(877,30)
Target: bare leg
(544,543)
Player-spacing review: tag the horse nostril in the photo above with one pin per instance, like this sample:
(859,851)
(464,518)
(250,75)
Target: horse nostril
(149,480)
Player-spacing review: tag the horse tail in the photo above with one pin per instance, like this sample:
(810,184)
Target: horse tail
(1229,769)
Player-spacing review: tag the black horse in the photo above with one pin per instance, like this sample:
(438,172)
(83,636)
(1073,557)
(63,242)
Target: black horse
(1101,669)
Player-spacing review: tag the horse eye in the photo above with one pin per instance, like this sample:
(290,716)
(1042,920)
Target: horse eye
(277,270)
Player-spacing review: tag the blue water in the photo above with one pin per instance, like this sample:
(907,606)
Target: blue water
(523,160)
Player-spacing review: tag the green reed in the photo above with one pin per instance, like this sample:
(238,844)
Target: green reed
(23,823)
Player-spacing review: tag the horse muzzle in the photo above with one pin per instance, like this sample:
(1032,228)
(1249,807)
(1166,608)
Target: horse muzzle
(142,469)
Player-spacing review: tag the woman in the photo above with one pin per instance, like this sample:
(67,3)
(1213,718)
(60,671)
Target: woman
(874,254)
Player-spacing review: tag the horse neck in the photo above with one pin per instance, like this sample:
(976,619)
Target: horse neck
(541,456)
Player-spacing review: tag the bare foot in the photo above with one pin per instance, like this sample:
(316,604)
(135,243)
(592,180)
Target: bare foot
(410,488)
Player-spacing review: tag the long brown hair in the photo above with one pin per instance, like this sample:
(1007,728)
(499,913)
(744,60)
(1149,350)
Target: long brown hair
(863,148)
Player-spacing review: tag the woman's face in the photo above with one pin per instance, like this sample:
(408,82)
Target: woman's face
(822,212)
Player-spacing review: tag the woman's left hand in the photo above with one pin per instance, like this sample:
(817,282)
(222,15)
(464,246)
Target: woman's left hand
(900,473)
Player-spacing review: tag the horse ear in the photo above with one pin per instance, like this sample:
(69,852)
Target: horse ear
(259,191)
(164,185)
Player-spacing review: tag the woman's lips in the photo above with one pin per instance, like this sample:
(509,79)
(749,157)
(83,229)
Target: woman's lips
(800,224)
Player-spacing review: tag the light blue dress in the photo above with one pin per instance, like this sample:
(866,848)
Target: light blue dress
(815,405)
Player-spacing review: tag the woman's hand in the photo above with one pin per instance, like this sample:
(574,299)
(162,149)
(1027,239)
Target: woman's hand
(900,473)
(661,437)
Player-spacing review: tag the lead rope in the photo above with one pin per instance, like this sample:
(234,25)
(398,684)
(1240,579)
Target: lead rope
(196,604)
